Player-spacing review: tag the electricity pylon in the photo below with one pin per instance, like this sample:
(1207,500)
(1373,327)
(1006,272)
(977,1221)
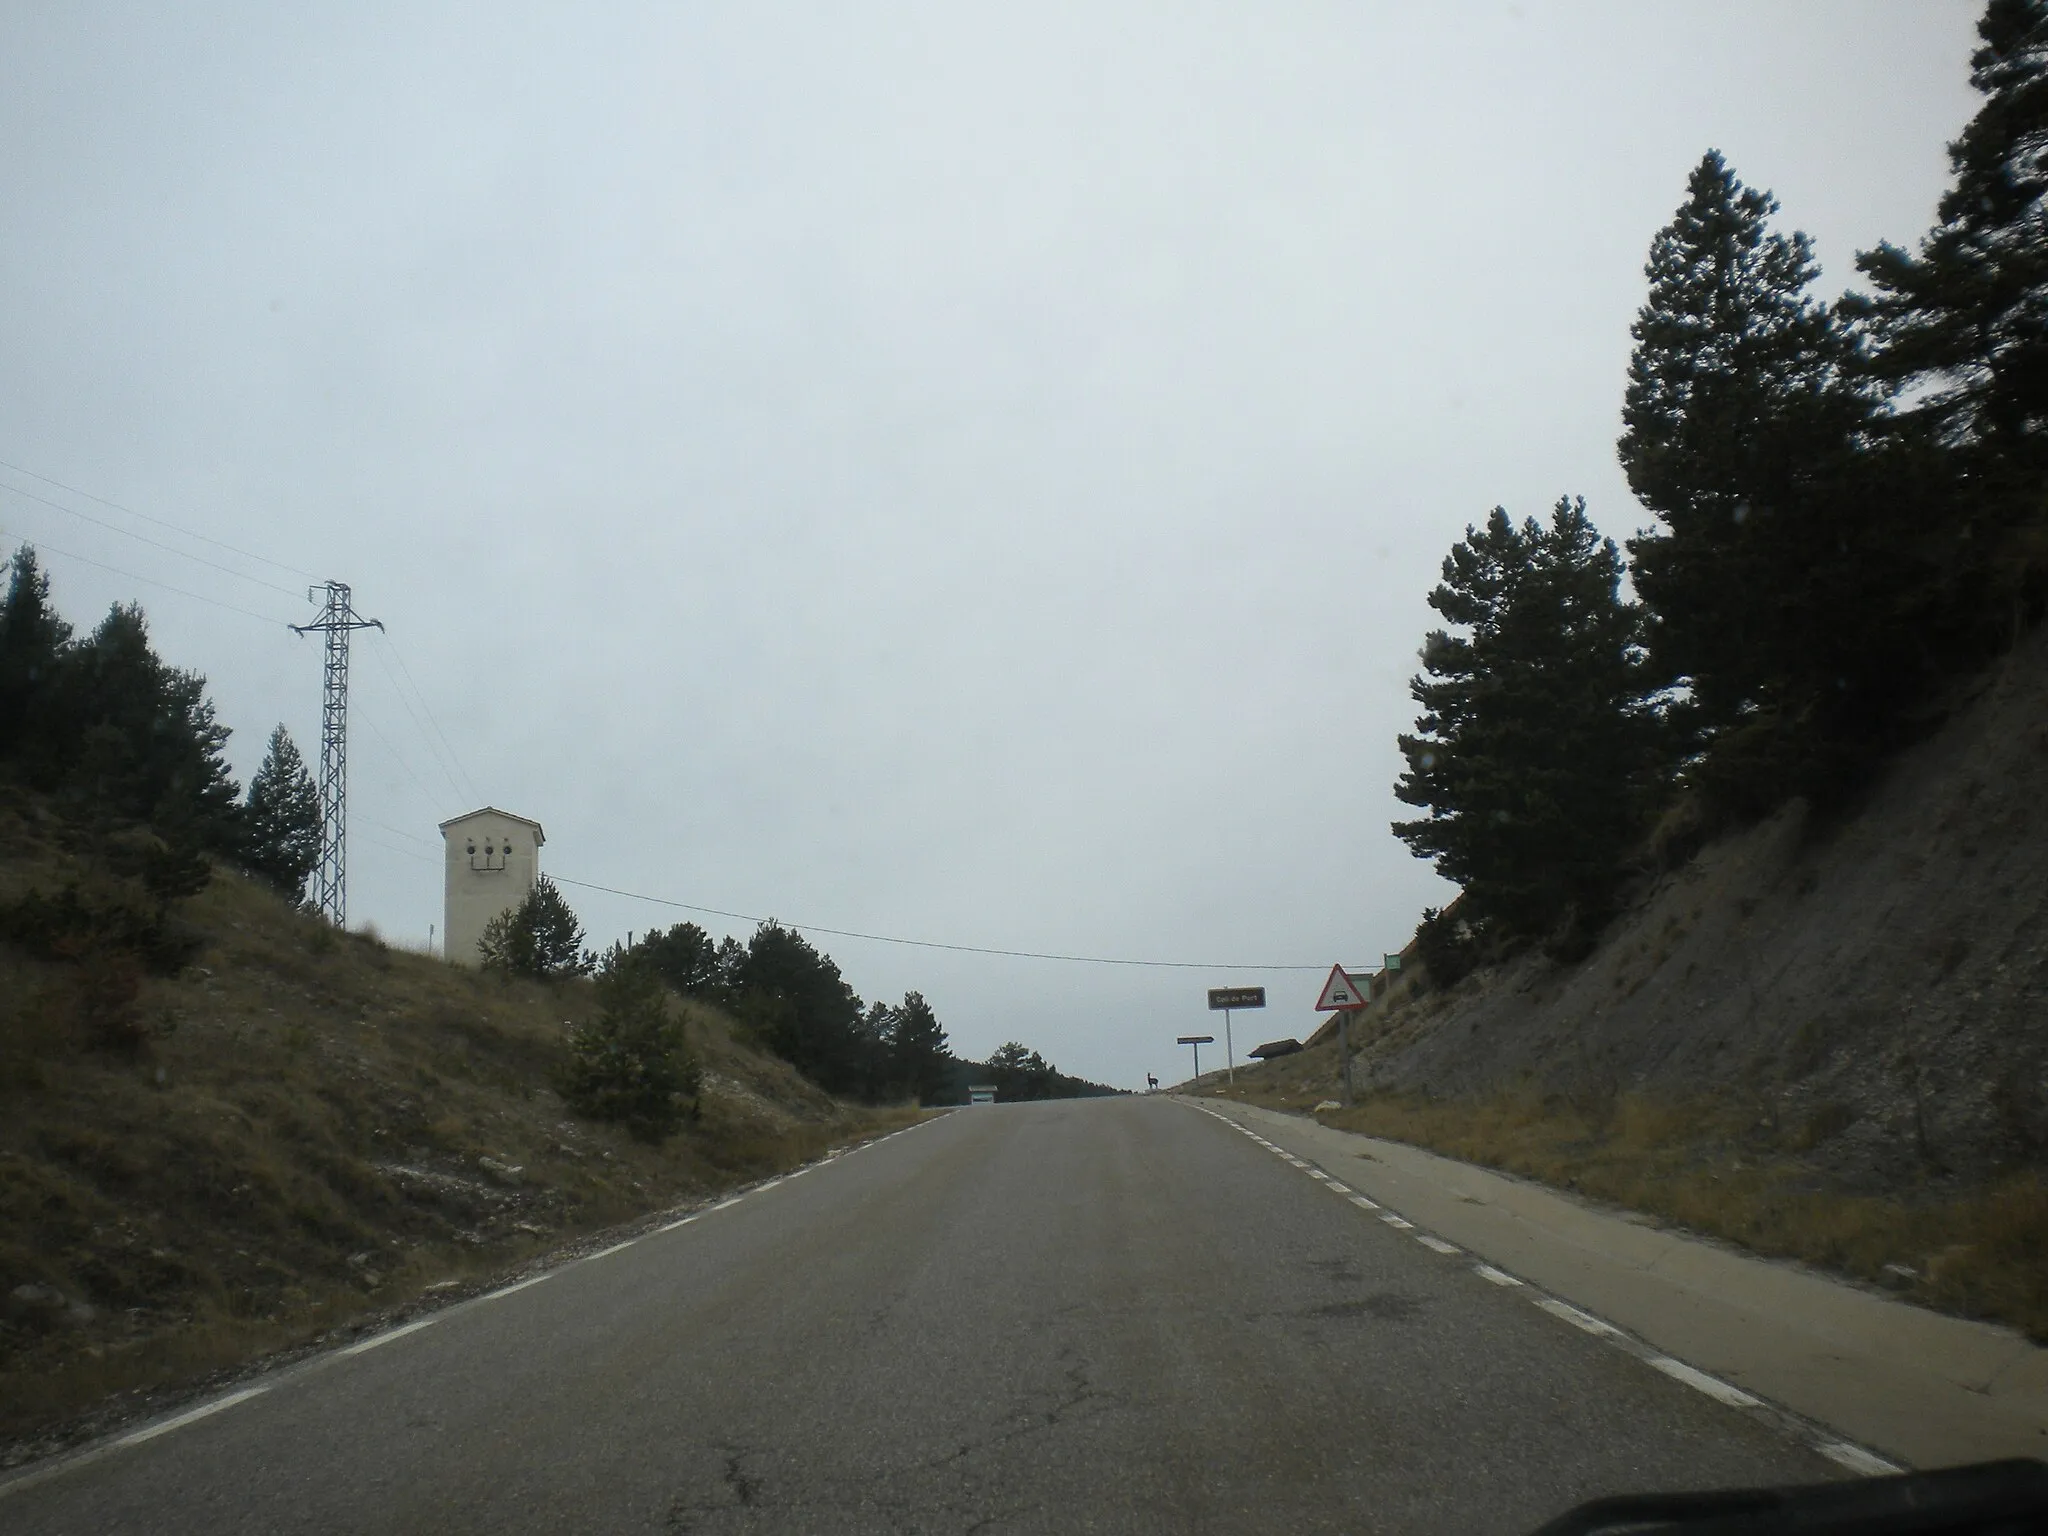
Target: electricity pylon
(338,618)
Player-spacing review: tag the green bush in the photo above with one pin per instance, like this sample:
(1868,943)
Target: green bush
(1447,946)
(84,923)
(631,1064)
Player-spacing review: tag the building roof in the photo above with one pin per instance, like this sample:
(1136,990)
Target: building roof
(491,810)
(1276,1048)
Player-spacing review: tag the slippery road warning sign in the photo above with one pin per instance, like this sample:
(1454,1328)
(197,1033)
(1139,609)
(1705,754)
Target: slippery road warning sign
(1340,992)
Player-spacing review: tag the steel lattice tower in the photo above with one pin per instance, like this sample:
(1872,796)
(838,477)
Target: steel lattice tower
(338,619)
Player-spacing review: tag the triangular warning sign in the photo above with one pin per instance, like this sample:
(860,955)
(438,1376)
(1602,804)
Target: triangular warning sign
(1340,991)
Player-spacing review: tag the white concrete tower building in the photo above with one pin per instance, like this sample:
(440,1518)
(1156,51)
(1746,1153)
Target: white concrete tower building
(493,861)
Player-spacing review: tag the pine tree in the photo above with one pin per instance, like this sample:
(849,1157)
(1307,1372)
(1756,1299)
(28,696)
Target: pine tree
(1791,588)
(919,1058)
(1968,317)
(1534,750)
(1962,331)
(281,820)
(539,939)
(801,1007)
(687,958)
(138,739)
(1738,409)
(33,640)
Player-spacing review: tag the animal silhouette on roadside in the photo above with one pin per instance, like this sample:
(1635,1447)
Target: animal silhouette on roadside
(1151,1083)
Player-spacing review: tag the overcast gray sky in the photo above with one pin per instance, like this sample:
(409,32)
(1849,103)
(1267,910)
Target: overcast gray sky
(956,471)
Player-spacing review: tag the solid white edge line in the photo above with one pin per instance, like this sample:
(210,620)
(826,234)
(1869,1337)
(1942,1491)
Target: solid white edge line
(34,1476)
(1497,1276)
(190,1415)
(605,1253)
(1857,1459)
(1437,1243)
(518,1285)
(1571,1314)
(378,1341)
(1719,1390)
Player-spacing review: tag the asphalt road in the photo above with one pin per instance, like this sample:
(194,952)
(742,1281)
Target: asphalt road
(1103,1315)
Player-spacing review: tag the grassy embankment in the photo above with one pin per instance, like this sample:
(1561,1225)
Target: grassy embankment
(314,1130)
(1713,1167)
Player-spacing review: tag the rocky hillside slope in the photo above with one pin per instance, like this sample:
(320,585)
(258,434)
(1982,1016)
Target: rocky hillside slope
(1874,989)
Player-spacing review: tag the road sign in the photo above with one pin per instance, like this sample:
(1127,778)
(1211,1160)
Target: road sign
(1341,992)
(1236,997)
(1222,1000)
(1198,1041)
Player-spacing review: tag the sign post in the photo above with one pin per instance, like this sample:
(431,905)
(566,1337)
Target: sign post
(1343,996)
(1227,998)
(1197,1041)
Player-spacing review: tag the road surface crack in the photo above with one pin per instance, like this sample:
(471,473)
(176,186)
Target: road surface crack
(1081,1400)
(744,1492)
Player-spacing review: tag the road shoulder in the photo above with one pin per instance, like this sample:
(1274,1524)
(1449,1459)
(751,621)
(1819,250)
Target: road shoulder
(1925,1389)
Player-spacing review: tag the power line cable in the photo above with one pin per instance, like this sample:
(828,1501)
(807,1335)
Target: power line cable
(965,949)
(442,754)
(129,533)
(433,720)
(413,715)
(160,522)
(396,756)
(40,546)
(424,842)
(406,853)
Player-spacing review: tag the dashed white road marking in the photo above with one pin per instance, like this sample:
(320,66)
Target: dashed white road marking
(1576,1318)
(674,1224)
(1857,1459)
(205,1410)
(380,1340)
(724,1205)
(1719,1390)
(1842,1452)
(605,1253)
(520,1285)
(763,1188)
